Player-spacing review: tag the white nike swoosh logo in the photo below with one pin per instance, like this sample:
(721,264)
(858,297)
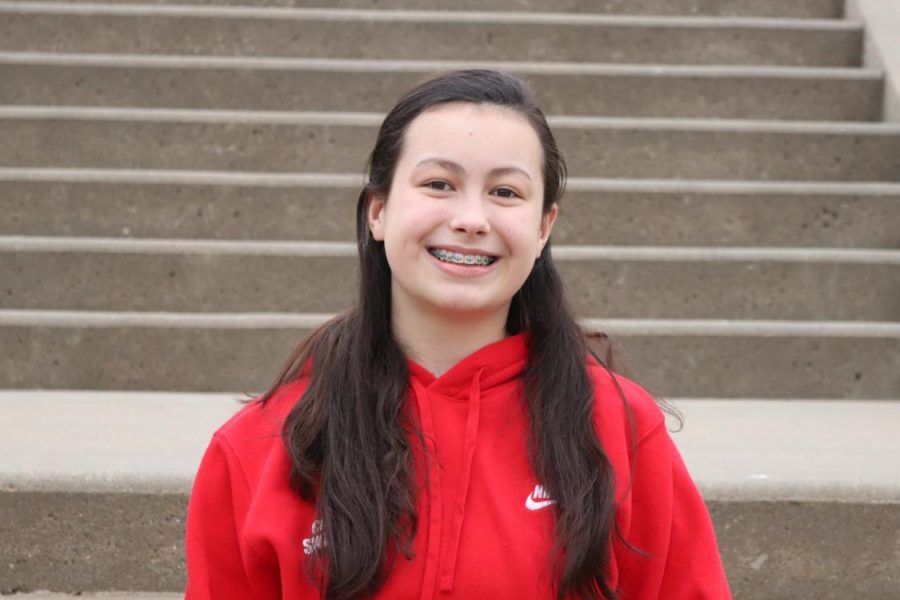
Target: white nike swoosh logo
(532,504)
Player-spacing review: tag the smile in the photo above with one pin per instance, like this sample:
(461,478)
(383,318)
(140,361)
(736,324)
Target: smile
(457,258)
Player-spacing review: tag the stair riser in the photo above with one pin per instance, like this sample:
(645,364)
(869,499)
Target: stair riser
(103,596)
(789,550)
(823,9)
(71,541)
(591,151)
(602,288)
(771,98)
(779,550)
(247,360)
(437,40)
(98,209)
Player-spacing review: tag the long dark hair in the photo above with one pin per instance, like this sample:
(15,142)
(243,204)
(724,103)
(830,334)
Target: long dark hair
(349,436)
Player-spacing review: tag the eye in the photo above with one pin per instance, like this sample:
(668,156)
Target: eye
(506,193)
(439,185)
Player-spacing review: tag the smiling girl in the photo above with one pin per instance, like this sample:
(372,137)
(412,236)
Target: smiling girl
(451,436)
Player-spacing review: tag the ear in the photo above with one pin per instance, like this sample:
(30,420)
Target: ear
(547,222)
(375,216)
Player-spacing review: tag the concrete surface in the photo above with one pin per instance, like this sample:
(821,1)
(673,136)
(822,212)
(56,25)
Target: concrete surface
(798,366)
(338,142)
(145,443)
(643,91)
(75,541)
(771,550)
(800,8)
(737,450)
(882,46)
(186,205)
(802,498)
(603,282)
(438,36)
(793,550)
(189,352)
(101,596)
(804,450)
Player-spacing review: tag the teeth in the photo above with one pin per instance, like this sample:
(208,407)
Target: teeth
(461,259)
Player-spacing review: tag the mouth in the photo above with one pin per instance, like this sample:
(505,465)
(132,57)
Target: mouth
(457,258)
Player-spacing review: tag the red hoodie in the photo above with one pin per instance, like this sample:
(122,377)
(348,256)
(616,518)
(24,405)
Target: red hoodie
(485,522)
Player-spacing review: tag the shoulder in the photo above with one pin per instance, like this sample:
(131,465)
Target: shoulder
(257,425)
(256,412)
(622,404)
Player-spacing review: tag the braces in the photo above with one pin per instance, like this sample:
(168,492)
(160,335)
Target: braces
(462,259)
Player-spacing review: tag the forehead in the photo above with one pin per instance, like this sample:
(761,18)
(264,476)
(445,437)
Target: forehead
(477,136)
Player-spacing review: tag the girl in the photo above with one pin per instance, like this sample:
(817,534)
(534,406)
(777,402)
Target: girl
(450,436)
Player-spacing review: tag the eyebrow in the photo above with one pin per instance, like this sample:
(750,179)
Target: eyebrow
(457,168)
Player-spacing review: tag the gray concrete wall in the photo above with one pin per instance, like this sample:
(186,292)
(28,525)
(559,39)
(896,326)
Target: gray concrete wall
(882,45)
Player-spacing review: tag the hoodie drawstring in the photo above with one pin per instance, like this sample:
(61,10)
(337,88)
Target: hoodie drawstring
(459,510)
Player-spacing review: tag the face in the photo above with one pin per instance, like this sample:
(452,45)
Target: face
(463,222)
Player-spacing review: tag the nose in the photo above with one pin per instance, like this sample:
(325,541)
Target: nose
(470,215)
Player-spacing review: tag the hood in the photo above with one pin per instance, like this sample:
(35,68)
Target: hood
(494,365)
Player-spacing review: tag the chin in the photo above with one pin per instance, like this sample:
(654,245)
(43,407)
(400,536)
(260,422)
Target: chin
(469,308)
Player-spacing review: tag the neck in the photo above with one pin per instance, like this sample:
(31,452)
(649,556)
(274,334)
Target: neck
(437,342)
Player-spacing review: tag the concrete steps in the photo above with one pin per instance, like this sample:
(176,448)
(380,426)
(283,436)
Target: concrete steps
(314,206)
(607,282)
(49,79)
(338,142)
(434,35)
(824,9)
(216,351)
(128,482)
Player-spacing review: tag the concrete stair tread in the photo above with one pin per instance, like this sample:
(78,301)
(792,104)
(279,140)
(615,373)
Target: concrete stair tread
(561,252)
(352,65)
(355,180)
(99,596)
(737,449)
(246,10)
(823,9)
(370,119)
(11,317)
(420,66)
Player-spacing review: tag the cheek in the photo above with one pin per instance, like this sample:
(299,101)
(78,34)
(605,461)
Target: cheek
(522,232)
(411,227)
(427,216)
